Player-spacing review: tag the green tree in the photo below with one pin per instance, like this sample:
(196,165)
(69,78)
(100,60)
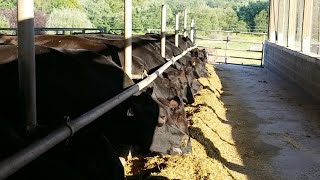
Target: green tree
(68,18)
(4,23)
(261,21)
(249,12)
(8,3)
(49,5)
(98,11)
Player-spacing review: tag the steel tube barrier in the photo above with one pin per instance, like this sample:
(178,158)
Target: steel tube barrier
(34,150)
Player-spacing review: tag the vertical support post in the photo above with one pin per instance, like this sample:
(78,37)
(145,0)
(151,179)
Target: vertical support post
(281,20)
(163,30)
(128,37)
(192,31)
(227,46)
(185,23)
(292,23)
(272,29)
(176,36)
(27,65)
(262,54)
(83,31)
(307,26)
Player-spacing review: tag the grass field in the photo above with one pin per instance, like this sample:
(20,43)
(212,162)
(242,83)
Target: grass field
(217,48)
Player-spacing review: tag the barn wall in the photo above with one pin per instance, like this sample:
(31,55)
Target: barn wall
(302,69)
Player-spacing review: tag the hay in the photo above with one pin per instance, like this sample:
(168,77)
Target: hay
(213,148)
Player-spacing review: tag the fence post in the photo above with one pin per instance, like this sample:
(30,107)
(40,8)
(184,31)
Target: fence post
(192,31)
(176,36)
(163,31)
(26,61)
(227,46)
(307,26)
(128,37)
(262,51)
(83,31)
(185,23)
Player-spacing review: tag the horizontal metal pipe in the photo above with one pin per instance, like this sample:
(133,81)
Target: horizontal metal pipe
(238,57)
(33,151)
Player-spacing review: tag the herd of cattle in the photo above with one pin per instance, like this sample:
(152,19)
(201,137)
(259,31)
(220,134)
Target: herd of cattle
(75,73)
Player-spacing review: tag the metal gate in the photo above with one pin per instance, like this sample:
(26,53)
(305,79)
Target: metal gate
(243,48)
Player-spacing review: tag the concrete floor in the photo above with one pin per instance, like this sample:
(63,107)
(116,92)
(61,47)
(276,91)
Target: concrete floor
(280,121)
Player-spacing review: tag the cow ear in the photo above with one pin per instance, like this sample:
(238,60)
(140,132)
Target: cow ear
(149,90)
(173,103)
(165,82)
(130,112)
(193,62)
(165,75)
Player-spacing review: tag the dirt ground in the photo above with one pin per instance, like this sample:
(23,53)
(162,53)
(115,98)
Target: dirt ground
(246,123)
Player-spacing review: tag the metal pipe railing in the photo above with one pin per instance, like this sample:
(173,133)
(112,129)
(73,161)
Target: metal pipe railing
(34,150)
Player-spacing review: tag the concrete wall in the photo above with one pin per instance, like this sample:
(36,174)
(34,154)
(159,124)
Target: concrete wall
(300,68)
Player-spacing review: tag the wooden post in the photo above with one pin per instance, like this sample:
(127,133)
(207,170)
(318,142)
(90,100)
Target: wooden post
(176,36)
(192,31)
(281,21)
(27,65)
(185,23)
(292,23)
(227,46)
(128,37)
(307,26)
(272,29)
(163,30)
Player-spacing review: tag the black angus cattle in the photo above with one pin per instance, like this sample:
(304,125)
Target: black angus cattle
(61,92)
(70,82)
(173,84)
(103,46)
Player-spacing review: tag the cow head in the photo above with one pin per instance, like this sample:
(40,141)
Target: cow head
(173,136)
(199,67)
(180,82)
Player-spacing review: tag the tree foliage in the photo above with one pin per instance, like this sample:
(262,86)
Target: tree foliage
(69,18)
(248,13)
(208,14)
(4,23)
(40,18)
(49,6)
(261,20)
(8,3)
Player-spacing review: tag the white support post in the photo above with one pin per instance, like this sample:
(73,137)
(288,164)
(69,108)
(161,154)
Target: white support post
(307,26)
(163,30)
(192,31)
(185,23)
(176,36)
(27,65)
(128,37)
(292,23)
(272,22)
(281,22)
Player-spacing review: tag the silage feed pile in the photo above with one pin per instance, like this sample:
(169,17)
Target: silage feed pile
(214,155)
